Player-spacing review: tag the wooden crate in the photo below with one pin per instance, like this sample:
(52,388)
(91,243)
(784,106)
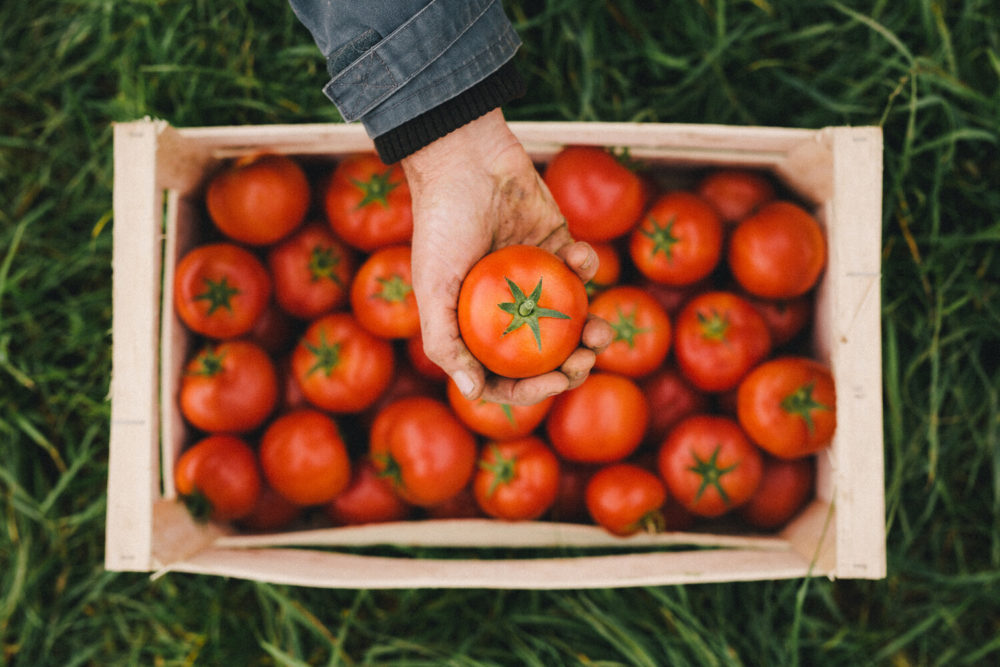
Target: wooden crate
(841,534)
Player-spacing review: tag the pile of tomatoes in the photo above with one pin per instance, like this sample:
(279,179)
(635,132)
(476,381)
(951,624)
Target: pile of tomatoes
(310,401)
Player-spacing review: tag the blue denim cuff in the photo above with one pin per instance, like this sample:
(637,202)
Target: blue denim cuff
(447,47)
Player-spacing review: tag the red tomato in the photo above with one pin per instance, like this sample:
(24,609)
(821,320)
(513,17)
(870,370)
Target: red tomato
(272,512)
(220,290)
(229,387)
(709,464)
(272,330)
(521,311)
(718,338)
(625,499)
(788,406)
(424,449)
(497,421)
(671,398)
(420,361)
(785,318)
(784,489)
(259,199)
(735,193)
(570,504)
(641,331)
(368,499)
(368,203)
(340,366)
(311,270)
(779,252)
(609,268)
(304,457)
(672,298)
(601,421)
(218,478)
(517,480)
(382,294)
(679,241)
(460,506)
(601,198)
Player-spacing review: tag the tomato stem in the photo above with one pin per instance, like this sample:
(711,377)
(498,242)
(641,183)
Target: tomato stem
(198,504)
(393,289)
(376,189)
(327,355)
(323,263)
(801,402)
(711,474)
(503,469)
(525,310)
(626,329)
(208,363)
(662,237)
(219,294)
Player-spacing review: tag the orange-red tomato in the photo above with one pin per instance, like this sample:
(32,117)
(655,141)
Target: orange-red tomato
(601,198)
(709,464)
(368,203)
(259,199)
(497,421)
(369,498)
(220,289)
(642,331)
(427,453)
(517,479)
(218,478)
(340,366)
(609,267)
(311,270)
(229,387)
(521,311)
(382,294)
(785,318)
(601,421)
(735,193)
(679,241)
(718,338)
(625,499)
(784,488)
(304,457)
(788,406)
(779,252)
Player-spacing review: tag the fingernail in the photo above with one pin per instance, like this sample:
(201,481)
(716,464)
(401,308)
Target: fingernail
(464,383)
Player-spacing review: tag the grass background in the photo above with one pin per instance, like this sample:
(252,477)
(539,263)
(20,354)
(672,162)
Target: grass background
(926,71)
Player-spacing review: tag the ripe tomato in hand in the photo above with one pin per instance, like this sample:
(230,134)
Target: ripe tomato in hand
(601,198)
(709,464)
(787,405)
(340,366)
(382,294)
(220,289)
(735,193)
(497,421)
(368,203)
(601,421)
(779,252)
(305,458)
(516,479)
(784,488)
(625,499)
(679,241)
(218,478)
(427,453)
(259,199)
(311,270)
(229,387)
(642,331)
(521,311)
(718,338)
(369,498)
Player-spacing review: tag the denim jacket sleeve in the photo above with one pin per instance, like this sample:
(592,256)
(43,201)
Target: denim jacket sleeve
(392,60)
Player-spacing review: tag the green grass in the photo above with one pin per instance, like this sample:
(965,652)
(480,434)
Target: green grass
(927,71)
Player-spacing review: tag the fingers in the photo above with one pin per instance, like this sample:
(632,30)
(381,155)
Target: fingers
(581,258)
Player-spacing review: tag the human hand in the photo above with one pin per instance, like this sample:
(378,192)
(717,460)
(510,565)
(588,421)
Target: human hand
(474,191)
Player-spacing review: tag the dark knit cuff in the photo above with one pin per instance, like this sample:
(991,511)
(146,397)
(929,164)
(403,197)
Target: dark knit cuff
(494,91)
